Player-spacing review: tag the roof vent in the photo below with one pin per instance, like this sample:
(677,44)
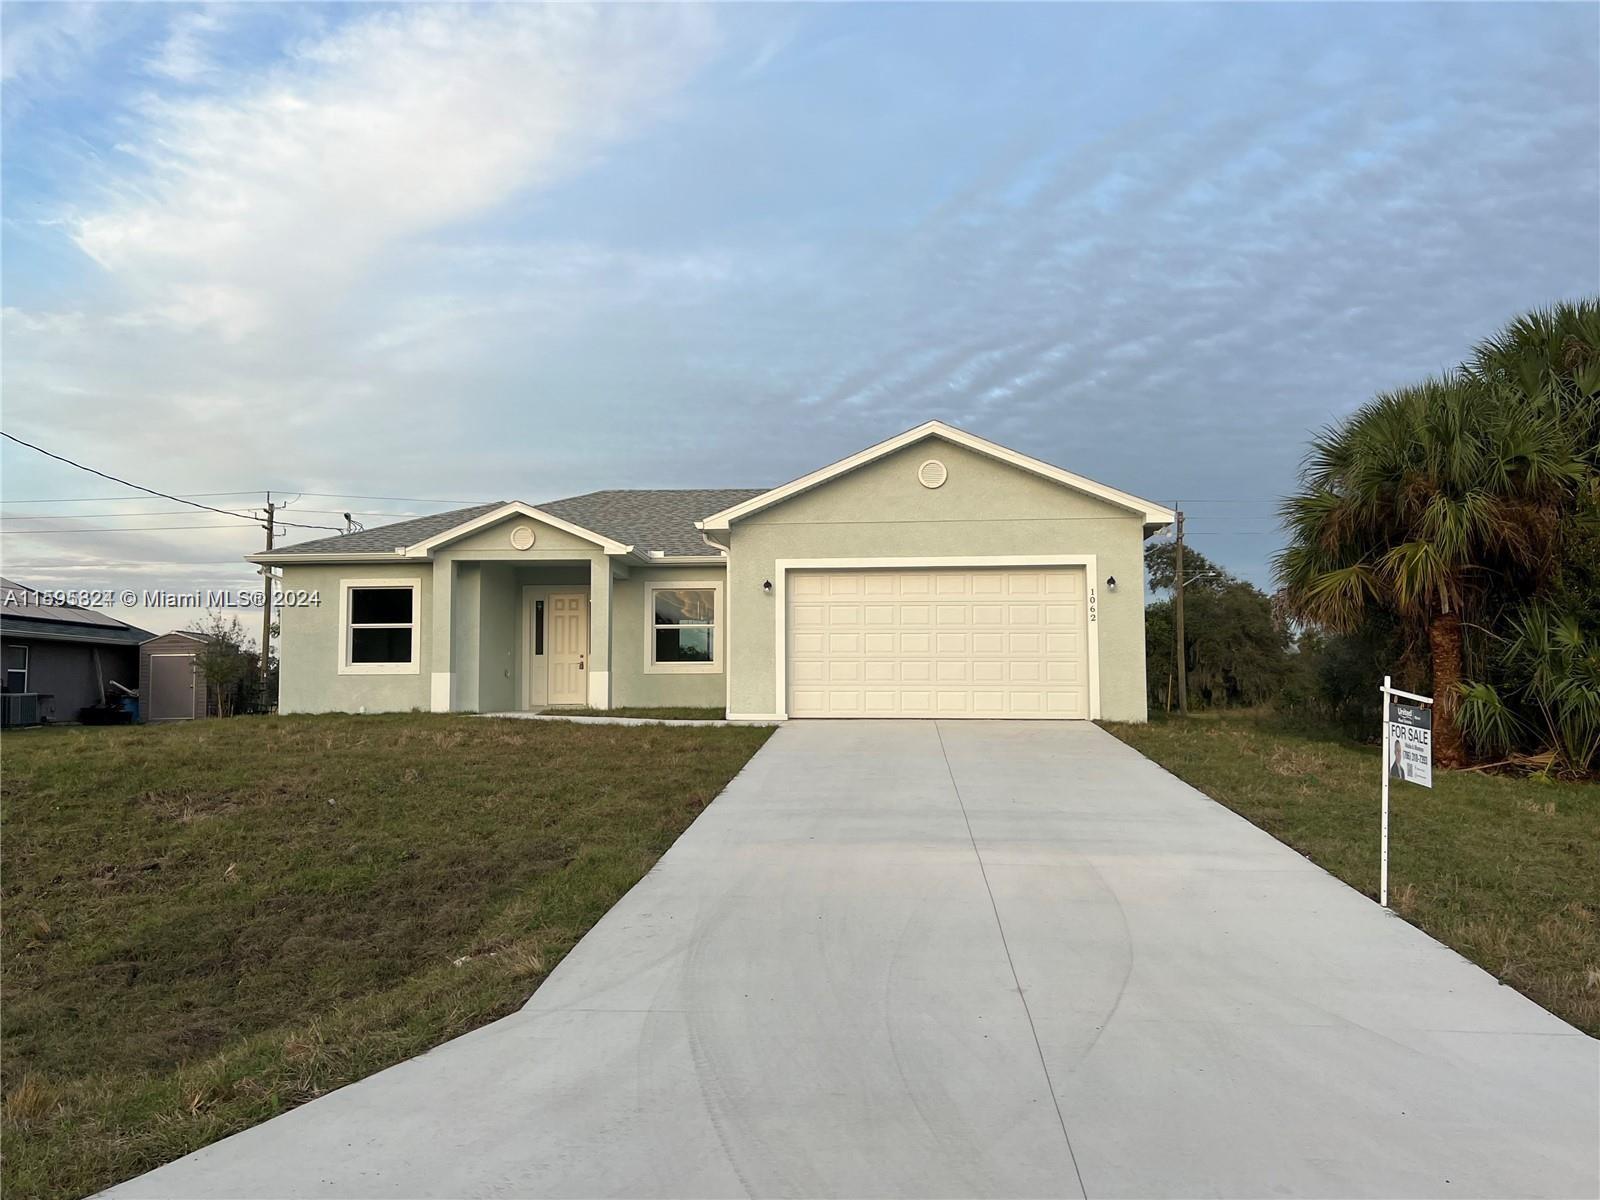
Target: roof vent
(932,474)
(522,537)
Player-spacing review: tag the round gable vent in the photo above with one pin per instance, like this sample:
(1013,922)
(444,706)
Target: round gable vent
(522,537)
(932,474)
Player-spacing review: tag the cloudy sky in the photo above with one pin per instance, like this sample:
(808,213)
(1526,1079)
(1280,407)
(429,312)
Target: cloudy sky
(398,259)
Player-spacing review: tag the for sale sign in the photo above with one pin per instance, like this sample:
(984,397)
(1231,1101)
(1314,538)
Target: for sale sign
(1411,744)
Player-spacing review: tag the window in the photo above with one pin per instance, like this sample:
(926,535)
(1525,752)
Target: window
(380,627)
(16,669)
(683,628)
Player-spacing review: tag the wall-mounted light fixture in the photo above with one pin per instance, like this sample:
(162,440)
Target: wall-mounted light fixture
(766,586)
(1111,583)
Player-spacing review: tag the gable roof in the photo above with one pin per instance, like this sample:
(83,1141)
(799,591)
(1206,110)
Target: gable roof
(513,508)
(651,522)
(385,539)
(1154,515)
(653,518)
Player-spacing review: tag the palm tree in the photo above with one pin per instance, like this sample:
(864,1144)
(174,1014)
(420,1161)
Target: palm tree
(1418,503)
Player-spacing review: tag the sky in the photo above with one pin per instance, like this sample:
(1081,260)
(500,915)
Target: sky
(398,259)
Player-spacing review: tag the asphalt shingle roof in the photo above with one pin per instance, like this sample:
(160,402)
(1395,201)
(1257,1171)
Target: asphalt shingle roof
(650,518)
(381,539)
(646,519)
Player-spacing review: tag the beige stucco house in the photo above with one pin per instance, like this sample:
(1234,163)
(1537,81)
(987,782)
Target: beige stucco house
(935,574)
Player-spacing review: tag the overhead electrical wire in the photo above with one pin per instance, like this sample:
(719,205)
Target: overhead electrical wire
(139,487)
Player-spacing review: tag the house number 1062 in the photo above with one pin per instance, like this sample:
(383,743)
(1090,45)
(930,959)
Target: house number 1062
(1093,606)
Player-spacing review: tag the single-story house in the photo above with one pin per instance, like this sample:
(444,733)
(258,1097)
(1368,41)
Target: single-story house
(935,574)
(64,655)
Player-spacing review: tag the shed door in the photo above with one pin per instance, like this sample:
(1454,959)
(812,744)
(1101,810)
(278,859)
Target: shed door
(171,687)
(993,642)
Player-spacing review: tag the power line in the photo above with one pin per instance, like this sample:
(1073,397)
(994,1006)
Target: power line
(129,499)
(132,529)
(252,492)
(183,512)
(139,487)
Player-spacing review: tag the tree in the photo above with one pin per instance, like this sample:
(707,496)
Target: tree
(1236,651)
(227,658)
(1429,502)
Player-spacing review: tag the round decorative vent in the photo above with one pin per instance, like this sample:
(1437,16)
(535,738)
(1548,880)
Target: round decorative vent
(522,537)
(932,474)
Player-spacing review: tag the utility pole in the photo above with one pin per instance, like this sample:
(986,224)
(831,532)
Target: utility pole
(1177,620)
(266,607)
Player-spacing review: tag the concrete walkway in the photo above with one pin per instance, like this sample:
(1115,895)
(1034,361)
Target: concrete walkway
(967,959)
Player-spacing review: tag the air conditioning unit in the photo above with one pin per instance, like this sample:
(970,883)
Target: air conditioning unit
(19,708)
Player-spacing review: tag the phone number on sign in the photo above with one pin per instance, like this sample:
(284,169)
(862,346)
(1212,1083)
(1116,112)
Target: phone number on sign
(158,598)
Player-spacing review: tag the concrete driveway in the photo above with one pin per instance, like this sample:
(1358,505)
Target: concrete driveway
(968,959)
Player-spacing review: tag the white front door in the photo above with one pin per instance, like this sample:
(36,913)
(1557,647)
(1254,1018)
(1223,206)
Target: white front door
(992,642)
(567,628)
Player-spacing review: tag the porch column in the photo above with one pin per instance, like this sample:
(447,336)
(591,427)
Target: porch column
(441,647)
(599,668)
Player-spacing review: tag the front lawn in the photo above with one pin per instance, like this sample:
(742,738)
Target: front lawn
(208,924)
(1504,869)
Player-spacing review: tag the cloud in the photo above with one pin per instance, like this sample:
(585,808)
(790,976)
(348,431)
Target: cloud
(477,252)
(185,55)
(271,200)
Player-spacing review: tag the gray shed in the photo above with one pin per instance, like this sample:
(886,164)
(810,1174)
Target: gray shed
(172,681)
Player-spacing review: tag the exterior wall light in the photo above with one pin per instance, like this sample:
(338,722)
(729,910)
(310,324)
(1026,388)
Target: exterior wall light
(1111,583)
(766,586)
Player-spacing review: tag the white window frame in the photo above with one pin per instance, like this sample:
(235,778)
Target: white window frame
(651,666)
(27,664)
(414,666)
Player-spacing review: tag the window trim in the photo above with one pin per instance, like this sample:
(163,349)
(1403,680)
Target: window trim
(27,665)
(714,667)
(414,666)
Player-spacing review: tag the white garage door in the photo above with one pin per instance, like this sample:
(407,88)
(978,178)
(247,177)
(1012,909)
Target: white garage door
(938,643)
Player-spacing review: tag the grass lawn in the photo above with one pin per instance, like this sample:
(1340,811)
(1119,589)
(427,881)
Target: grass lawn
(1504,869)
(208,924)
(658,714)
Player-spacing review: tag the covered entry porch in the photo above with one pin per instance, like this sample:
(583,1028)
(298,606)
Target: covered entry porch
(523,637)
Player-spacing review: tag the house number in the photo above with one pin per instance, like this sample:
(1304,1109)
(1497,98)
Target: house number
(1093,606)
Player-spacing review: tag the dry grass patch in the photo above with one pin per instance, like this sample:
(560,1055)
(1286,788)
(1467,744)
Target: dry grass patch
(1504,869)
(217,922)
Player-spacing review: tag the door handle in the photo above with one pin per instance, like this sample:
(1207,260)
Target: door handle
(580,662)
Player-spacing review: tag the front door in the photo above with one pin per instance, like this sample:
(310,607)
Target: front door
(568,629)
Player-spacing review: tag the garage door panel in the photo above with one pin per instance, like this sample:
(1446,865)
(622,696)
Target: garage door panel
(1024,643)
(924,643)
(808,616)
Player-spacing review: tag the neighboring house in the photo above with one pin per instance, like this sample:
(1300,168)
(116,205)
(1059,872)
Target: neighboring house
(64,654)
(935,574)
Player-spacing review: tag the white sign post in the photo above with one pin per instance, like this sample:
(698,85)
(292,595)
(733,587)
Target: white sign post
(1407,755)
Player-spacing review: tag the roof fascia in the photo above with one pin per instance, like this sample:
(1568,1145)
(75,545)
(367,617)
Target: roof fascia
(1152,513)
